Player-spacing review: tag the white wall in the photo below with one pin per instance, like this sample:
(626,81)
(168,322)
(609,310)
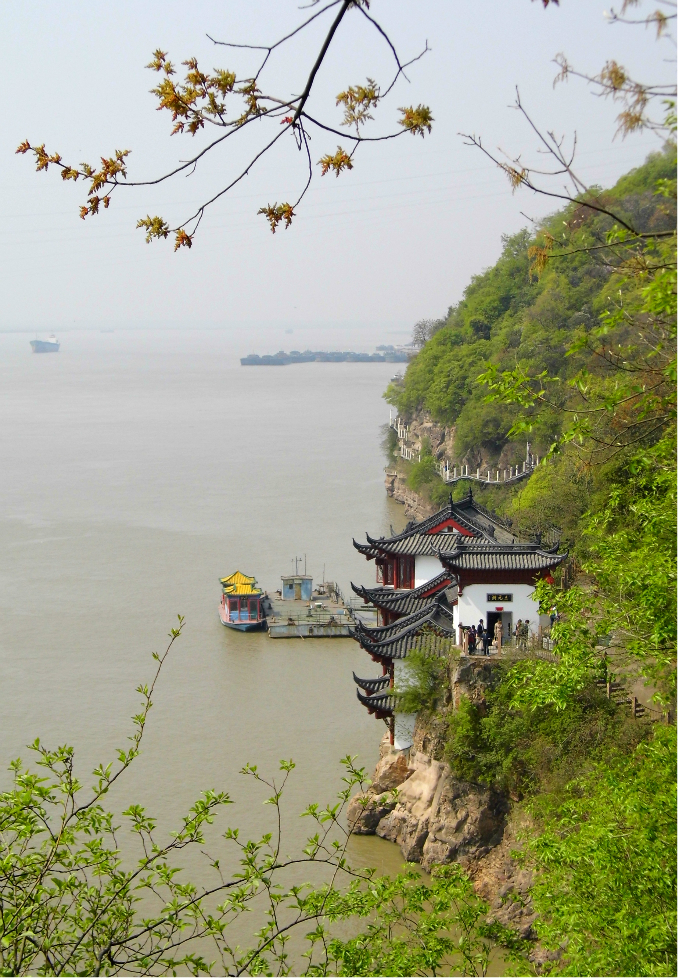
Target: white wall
(473,604)
(404,722)
(403,735)
(425,569)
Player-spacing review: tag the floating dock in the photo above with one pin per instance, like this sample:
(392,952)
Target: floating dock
(325,615)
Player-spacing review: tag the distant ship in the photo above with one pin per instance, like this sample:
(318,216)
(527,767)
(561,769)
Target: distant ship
(50,345)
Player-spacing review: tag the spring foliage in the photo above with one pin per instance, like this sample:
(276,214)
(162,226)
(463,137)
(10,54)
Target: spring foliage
(546,325)
(570,341)
(73,900)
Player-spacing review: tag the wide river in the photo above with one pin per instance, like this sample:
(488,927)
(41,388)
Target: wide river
(137,469)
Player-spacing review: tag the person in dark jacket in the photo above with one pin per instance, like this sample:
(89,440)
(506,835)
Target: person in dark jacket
(486,638)
(472,639)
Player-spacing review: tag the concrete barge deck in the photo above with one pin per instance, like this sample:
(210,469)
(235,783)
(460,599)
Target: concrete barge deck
(319,618)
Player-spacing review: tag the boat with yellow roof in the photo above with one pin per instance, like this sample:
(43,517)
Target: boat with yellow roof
(243,605)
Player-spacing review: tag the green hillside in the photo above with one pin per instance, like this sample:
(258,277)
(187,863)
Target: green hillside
(511,317)
(581,360)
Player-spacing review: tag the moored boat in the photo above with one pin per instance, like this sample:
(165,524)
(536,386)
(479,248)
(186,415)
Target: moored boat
(50,345)
(243,604)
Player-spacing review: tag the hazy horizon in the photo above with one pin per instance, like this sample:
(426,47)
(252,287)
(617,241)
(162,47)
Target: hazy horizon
(395,240)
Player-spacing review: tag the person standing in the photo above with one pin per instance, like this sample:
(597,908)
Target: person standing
(526,633)
(518,632)
(472,639)
(484,636)
(497,635)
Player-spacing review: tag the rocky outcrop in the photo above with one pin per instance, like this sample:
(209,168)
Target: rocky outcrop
(430,733)
(415,801)
(471,677)
(505,885)
(438,819)
(423,429)
(416,507)
(367,809)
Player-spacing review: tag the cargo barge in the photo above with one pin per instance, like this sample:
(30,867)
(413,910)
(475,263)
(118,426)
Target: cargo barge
(50,345)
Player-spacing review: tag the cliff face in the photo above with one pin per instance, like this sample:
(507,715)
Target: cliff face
(416,801)
(416,507)
(421,427)
(441,439)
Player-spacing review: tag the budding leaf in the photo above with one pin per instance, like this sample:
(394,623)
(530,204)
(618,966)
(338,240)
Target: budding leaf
(275,213)
(340,161)
(416,120)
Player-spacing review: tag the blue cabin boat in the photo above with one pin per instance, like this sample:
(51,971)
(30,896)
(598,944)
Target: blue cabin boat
(242,603)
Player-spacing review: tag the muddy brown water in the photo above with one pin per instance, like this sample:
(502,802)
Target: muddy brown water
(137,469)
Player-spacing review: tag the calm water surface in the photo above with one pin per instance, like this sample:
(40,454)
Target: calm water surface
(137,469)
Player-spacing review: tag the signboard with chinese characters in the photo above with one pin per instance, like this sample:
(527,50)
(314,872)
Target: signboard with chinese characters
(494,598)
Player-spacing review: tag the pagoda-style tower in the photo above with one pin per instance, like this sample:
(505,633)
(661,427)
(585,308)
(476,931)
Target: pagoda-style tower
(458,567)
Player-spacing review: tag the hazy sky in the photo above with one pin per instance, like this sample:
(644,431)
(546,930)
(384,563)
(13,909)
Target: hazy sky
(394,240)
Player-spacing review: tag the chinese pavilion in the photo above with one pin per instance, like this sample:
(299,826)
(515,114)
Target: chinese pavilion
(242,603)
(458,567)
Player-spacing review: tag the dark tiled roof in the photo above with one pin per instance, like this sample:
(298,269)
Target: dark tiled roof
(416,538)
(430,629)
(415,545)
(475,555)
(366,549)
(380,633)
(466,512)
(383,704)
(372,685)
(403,601)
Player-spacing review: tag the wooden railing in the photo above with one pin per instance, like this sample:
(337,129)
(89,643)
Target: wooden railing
(612,690)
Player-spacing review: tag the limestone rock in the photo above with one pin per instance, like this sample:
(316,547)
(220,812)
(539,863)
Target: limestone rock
(390,772)
(433,817)
(503,883)
(430,735)
(472,677)
(417,794)
(407,831)
(468,820)
(366,810)
(416,508)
